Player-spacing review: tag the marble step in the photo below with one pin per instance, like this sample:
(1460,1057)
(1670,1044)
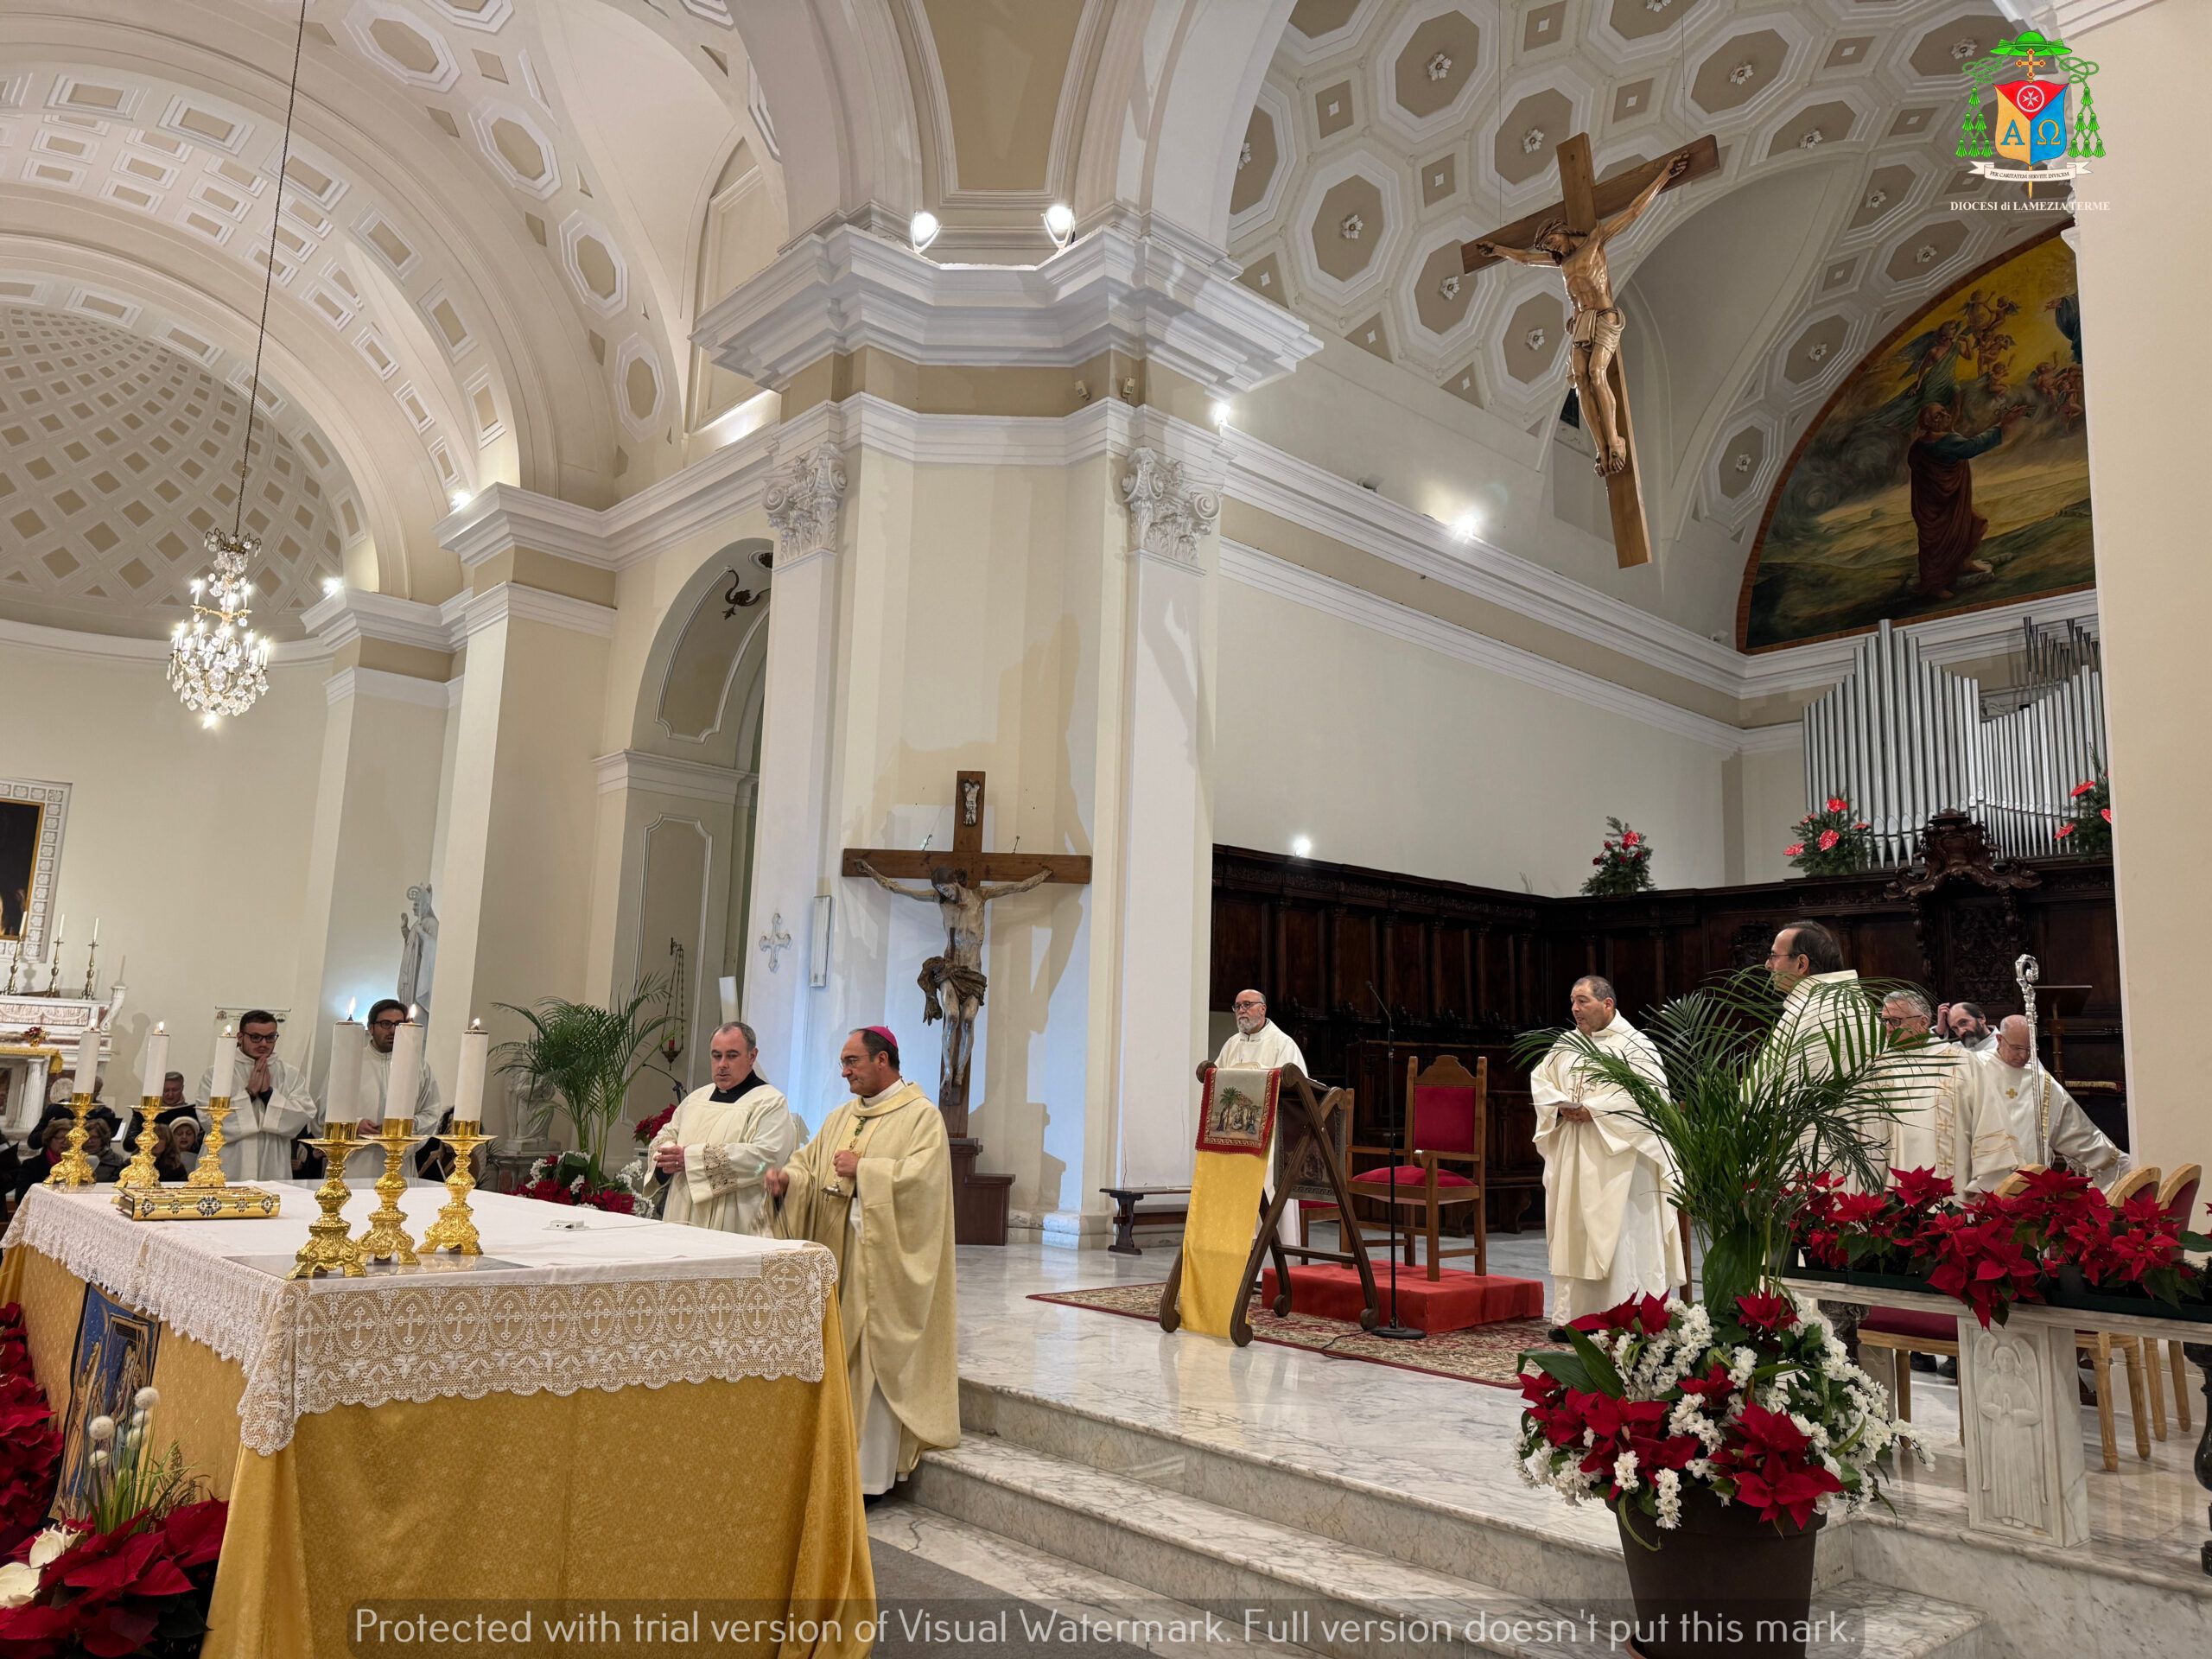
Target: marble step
(1319,1593)
(1501,1530)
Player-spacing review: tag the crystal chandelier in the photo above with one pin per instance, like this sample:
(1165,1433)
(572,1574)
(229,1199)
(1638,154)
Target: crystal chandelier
(217,664)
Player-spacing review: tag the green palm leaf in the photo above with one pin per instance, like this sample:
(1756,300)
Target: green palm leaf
(579,1061)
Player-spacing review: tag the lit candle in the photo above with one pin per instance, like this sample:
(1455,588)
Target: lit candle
(96,930)
(224,1068)
(155,1066)
(88,1060)
(348,1038)
(468,1089)
(405,1082)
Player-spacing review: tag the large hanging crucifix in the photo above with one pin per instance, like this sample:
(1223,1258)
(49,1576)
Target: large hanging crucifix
(1571,236)
(960,883)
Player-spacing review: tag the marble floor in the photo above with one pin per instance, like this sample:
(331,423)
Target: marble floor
(1446,1439)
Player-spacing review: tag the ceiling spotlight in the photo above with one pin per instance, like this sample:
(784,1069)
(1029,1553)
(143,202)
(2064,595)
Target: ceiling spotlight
(1223,413)
(1059,223)
(1301,847)
(922,230)
(332,586)
(1467,526)
(460,499)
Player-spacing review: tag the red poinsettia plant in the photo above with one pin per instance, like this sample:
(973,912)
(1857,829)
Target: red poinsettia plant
(1624,864)
(131,1570)
(2089,831)
(1760,1407)
(1831,842)
(1995,1250)
(649,1126)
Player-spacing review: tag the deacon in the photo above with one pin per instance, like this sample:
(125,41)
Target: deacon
(715,1153)
(1258,1041)
(269,1103)
(1924,1083)
(1609,1222)
(2019,1114)
(386,1015)
(875,1188)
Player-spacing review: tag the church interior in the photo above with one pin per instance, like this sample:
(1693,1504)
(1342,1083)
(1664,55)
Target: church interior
(1101,826)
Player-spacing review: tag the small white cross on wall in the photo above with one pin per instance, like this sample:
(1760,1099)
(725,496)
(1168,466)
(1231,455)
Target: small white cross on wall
(776,940)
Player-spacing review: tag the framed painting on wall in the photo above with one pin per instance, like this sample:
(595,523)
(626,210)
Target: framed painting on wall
(32,817)
(1949,471)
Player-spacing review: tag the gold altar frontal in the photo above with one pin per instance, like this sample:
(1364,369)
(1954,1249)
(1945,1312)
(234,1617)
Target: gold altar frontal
(734,1499)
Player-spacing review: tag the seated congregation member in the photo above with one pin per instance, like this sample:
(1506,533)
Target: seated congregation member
(874,1187)
(714,1155)
(43,1148)
(177,1152)
(1609,1223)
(2019,1114)
(270,1103)
(101,1127)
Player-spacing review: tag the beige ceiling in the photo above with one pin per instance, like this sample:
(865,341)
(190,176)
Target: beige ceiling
(1440,118)
(119,454)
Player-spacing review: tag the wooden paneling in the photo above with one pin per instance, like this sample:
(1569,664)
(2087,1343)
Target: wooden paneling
(1465,969)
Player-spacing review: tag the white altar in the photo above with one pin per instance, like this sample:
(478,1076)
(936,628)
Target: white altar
(59,1022)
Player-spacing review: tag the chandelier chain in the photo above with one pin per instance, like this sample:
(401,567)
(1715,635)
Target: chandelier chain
(268,267)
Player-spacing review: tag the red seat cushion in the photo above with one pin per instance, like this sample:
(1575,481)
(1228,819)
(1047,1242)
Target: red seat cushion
(1408,1175)
(1906,1322)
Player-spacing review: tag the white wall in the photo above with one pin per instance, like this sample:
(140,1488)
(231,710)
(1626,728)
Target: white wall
(206,907)
(1400,757)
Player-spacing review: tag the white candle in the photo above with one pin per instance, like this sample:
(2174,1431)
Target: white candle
(347,1039)
(96,930)
(468,1092)
(154,1068)
(406,1080)
(224,1068)
(88,1060)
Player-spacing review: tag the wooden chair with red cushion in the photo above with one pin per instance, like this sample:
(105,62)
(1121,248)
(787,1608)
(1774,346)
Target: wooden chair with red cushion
(2177,1198)
(1445,1112)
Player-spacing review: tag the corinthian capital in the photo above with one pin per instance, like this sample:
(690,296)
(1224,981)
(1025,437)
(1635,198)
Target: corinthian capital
(802,503)
(1167,513)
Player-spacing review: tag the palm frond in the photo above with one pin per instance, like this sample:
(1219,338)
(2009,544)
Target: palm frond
(579,1061)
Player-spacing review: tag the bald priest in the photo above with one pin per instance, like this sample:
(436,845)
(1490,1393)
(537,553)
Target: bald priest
(714,1155)
(874,1188)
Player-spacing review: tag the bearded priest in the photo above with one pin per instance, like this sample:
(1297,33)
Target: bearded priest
(875,1188)
(714,1154)
(1258,1042)
(1608,1219)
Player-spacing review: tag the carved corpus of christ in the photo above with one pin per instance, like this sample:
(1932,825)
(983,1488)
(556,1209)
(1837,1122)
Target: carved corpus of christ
(1595,325)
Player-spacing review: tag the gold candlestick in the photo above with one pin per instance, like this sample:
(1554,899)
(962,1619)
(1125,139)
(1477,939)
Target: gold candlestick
(208,1172)
(74,1169)
(386,1238)
(455,1229)
(140,1171)
(330,1247)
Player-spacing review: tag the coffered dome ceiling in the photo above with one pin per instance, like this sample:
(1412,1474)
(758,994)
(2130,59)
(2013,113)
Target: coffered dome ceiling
(119,452)
(1389,131)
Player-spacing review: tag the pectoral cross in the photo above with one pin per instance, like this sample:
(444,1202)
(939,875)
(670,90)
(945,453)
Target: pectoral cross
(961,882)
(1571,236)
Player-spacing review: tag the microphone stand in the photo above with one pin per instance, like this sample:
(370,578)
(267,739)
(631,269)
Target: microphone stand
(1393,1331)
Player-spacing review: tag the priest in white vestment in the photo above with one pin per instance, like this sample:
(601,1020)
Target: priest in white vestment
(1609,1224)
(386,1015)
(269,1103)
(1825,1019)
(714,1155)
(1924,1082)
(2018,1114)
(1258,1041)
(874,1188)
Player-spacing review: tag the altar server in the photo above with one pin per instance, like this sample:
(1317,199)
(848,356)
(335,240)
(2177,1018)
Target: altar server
(386,1015)
(714,1154)
(875,1188)
(1609,1220)
(269,1103)
(1258,1041)
(2018,1114)
(1924,1082)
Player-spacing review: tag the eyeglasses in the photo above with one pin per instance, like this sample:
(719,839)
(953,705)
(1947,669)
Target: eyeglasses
(257,1036)
(390,1022)
(1249,1002)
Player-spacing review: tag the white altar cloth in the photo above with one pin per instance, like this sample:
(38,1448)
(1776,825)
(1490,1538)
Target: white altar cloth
(616,1302)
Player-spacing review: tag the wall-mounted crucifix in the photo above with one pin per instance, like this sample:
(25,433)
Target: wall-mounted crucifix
(961,882)
(1570,236)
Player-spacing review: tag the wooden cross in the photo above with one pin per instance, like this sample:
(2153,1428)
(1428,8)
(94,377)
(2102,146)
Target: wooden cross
(1585,202)
(967,850)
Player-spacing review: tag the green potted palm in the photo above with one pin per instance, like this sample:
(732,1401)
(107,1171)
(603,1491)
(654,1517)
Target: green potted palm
(576,1066)
(1723,1431)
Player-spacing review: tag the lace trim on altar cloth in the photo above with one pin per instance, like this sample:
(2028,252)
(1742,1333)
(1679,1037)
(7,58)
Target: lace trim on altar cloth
(305,1348)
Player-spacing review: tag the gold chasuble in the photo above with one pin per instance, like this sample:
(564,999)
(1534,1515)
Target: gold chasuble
(1237,1122)
(894,1270)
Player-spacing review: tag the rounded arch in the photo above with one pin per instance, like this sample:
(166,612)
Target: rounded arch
(705,678)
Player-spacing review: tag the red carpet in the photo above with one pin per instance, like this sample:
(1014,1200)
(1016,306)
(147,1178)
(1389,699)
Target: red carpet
(1457,1301)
